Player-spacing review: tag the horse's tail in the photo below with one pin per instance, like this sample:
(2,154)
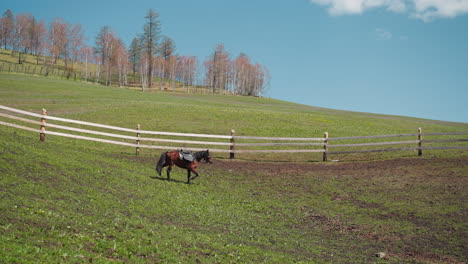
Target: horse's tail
(161,163)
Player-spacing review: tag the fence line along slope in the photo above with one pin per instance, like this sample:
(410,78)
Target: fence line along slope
(324,142)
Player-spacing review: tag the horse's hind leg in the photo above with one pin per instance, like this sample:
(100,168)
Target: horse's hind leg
(188,176)
(169,168)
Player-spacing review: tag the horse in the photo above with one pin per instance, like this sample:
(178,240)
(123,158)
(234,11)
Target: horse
(171,158)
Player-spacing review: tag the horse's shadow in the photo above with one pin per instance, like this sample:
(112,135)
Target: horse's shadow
(168,180)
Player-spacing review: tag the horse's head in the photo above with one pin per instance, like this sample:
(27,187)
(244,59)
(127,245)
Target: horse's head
(207,157)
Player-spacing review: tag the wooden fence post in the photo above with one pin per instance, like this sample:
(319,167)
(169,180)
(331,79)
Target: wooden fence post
(420,141)
(138,140)
(325,146)
(43,125)
(233,146)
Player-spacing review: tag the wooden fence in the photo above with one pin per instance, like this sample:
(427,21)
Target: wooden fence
(42,70)
(233,144)
(91,76)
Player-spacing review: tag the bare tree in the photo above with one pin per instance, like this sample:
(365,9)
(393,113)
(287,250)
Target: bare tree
(76,42)
(143,66)
(249,79)
(7,25)
(58,40)
(186,71)
(159,67)
(181,74)
(120,61)
(217,68)
(24,30)
(172,66)
(30,34)
(38,39)
(113,56)
(97,60)
(104,48)
(86,54)
(192,66)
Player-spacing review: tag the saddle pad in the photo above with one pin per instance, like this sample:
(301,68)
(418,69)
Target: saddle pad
(188,156)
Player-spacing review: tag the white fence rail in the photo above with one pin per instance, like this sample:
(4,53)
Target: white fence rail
(324,143)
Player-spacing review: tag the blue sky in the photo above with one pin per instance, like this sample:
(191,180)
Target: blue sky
(396,57)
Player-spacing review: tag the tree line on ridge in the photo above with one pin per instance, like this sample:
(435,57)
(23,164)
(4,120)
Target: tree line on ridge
(150,56)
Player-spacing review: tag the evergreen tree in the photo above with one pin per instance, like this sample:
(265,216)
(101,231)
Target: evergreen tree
(134,53)
(167,50)
(149,41)
(103,43)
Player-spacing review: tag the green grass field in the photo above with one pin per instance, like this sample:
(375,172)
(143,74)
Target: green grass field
(73,201)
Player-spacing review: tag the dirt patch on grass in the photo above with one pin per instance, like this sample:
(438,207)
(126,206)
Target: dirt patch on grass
(337,168)
(395,184)
(427,182)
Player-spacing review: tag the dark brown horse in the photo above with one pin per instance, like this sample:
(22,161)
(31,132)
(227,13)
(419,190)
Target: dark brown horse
(171,158)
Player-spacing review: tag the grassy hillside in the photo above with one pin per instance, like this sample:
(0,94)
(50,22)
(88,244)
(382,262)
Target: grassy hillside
(45,66)
(210,114)
(73,201)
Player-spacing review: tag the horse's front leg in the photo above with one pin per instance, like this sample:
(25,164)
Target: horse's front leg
(196,174)
(188,176)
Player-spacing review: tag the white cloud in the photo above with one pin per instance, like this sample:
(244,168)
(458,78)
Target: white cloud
(430,9)
(422,9)
(341,7)
(383,34)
